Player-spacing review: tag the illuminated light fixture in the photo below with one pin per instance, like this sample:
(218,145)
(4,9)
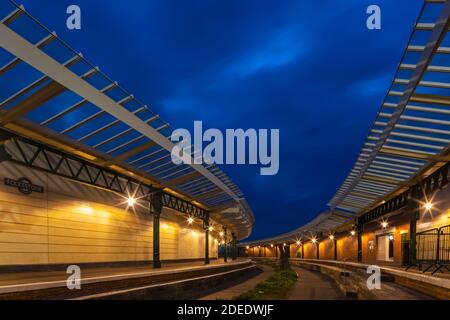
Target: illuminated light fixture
(211,228)
(428,206)
(247,247)
(131,201)
(221,233)
(86,210)
(223,242)
(190,220)
(298,242)
(259,247)
(331,237)
(391,237)
(271,245)
(353,232)
(284,244)
(384,224)
(313,240)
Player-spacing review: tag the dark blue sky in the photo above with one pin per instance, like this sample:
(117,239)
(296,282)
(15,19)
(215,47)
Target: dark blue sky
(310,68)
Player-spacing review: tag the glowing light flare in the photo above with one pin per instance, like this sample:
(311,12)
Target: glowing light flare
(131,201)
(428,206)
(190,220)
(247,247)
(353,232)
(331,237)
(313,240)
(384,224)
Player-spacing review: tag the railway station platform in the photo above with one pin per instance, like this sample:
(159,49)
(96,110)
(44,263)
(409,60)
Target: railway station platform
(140,282)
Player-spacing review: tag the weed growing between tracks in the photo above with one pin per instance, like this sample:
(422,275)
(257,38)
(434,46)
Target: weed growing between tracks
(276,287)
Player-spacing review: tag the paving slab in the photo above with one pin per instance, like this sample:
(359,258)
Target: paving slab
(313,285)
(236,290)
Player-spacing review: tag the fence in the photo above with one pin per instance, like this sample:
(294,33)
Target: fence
(433,248)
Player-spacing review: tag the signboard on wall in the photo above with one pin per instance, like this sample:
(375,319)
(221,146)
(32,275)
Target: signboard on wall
(24,185)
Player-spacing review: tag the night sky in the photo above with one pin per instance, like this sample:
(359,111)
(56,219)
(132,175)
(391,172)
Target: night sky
(310,68)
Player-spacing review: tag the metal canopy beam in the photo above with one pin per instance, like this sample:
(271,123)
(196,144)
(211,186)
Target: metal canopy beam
(37,99)
(183,179)
(28,53)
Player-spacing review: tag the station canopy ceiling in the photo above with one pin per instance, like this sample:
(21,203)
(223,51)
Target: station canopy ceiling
(50,89)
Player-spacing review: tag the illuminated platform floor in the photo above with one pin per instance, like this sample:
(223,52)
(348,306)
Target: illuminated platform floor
(28,281)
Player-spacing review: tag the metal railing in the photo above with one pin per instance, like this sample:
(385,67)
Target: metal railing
(433,248)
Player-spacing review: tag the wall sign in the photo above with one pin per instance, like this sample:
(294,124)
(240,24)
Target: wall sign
(24,185)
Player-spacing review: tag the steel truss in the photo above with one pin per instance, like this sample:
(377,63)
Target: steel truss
(424,188)
(39,156)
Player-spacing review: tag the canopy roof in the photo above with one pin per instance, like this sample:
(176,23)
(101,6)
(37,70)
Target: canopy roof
(411,130)
(51,92)
(410,135)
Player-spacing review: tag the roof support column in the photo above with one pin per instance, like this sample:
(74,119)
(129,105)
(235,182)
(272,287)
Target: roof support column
(225,244)
(359,232)
(206,228)
(284,257)
(233,246)
(414,213)
(335,248)
(317,250)
(303,251)
(157,208)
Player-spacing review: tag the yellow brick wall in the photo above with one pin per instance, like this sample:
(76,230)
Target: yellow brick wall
(73,223)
